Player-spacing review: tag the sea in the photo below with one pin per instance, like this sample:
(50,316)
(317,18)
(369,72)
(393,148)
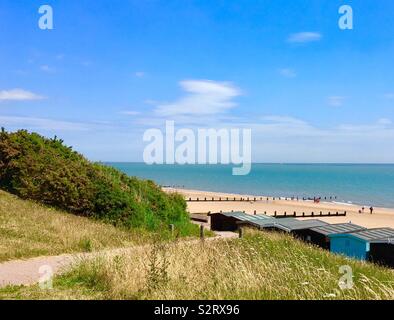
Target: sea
(361,184)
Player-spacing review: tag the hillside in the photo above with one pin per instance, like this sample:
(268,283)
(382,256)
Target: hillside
(260,266)
(47,171)
(28,229)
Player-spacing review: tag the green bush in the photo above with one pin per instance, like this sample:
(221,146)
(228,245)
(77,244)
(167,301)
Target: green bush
(47,171)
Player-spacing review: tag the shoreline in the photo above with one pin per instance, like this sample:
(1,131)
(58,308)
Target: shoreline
(381,217)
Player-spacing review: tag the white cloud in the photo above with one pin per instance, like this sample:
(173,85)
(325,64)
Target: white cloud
(336,101)
(389,96)
(33,123)
(139,74)
(303,37)
(19,95)
(130,113)
(283,119)
(47,69)
(151,102)
(384,122)
(204,97)
(288,73)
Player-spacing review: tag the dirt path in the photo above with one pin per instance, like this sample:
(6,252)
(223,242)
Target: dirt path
(31,271)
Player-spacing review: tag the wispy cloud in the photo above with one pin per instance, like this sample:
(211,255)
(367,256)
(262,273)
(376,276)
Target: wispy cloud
(33,123)
(389,96)
(47,69)
(140,74)
(130,113)
(204,97)
(303,37)
(287,73)
(19,95)
(336,101)
(384,122)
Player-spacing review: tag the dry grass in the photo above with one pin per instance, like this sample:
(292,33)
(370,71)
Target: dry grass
(260,266)
(28,230)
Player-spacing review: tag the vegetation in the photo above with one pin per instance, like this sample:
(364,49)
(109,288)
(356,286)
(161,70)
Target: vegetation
(260,266)
(47,171)
(28,229)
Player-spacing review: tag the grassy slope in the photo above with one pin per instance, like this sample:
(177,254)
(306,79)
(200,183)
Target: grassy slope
(28,229)
(260,266)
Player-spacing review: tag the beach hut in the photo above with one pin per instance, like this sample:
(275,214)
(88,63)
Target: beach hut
(373,245)
(382,252)
(229,221)
(320,235)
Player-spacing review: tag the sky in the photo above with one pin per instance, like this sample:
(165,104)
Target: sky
(110,70)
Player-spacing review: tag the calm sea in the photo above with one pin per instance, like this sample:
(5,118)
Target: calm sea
(358,184)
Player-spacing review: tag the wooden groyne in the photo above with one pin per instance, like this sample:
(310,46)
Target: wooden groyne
(308,215)
(255,199)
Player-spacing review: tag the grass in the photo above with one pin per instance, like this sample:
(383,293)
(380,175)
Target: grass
(259,266)
(28,229)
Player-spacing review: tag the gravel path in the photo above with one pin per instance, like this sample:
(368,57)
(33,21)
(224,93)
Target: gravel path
(31,271)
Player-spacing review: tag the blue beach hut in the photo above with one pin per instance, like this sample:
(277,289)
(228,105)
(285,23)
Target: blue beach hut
(358,244)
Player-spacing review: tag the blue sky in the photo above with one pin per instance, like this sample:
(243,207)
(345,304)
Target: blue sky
(109,70)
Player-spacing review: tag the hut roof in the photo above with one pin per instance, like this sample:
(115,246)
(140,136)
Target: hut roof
(338,228)
(377,235)
(290,224)
(257,220)
(264,221)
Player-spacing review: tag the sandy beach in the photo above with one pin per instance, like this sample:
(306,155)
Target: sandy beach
(382,217)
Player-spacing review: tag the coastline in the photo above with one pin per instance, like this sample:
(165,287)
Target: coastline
(381,217)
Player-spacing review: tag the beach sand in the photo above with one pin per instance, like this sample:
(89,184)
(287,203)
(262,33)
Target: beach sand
(382,217)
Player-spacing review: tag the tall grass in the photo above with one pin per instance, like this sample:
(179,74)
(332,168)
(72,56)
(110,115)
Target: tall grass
(28,229)
(260,266)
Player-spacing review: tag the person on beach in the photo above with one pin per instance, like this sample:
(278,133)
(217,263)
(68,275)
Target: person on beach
(371,210)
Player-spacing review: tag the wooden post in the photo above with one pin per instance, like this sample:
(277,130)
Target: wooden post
(303,214)
(202,232)
(255,212)
(285,214)
(275,214)
(172,229)
(295,214)
(240,232)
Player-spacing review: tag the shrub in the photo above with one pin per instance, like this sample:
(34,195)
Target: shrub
(45,170)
